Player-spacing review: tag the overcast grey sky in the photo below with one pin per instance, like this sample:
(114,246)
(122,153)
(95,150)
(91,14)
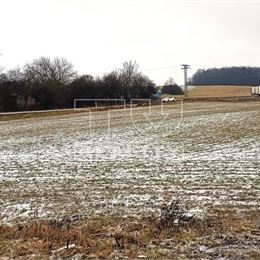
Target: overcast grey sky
(99,35)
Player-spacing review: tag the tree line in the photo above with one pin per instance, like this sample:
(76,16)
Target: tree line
(248,76)
(53,83)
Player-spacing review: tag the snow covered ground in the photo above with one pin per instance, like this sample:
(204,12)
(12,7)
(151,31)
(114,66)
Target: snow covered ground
(208,154)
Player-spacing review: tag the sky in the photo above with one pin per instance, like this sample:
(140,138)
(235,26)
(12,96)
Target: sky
(97,36)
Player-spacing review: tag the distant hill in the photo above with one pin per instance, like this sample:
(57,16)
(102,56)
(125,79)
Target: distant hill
(245,76)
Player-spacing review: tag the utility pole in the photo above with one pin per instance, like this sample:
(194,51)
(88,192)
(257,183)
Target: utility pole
(185,67)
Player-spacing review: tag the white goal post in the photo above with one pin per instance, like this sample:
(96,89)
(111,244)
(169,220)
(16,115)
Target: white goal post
(97,102)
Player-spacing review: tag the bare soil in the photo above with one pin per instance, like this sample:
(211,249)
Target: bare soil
(220,91)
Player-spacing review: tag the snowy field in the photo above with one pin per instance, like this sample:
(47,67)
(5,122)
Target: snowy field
(130,163)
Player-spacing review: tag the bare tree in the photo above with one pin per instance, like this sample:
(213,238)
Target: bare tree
(170,81)
(23,86)
(45,70)
(10,86)
(48,79)
(129,72)
(134,83)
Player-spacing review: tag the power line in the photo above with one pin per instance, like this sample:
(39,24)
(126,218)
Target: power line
(160,68)
(146,69)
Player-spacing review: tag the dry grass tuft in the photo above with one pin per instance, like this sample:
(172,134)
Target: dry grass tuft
(107,237)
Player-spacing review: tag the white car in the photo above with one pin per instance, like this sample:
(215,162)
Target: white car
(168,99)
